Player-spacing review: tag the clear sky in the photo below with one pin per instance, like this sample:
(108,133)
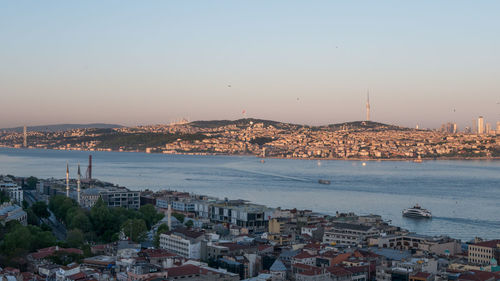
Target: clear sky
(308,62)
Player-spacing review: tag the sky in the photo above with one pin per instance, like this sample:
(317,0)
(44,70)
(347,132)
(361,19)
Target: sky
(306,62)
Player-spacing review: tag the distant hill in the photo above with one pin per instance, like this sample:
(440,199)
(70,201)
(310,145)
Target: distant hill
(366,125)
(355,125)
(62,127)
(240,123)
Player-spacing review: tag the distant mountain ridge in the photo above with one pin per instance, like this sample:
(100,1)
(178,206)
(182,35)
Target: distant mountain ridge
(62,127)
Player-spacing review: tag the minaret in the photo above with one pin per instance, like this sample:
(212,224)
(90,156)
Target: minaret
(169,217)
(67,179)
(368,106)
(78,185)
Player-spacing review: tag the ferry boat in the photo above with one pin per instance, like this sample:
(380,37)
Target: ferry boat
(417,212)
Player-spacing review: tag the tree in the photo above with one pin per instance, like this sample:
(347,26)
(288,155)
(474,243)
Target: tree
(33,219)
(40,209)
(179,217)
(81,221)
(4,197)
(75,238)
(163,228)
(150,215)
(135,229)
(189,223)
(31,182)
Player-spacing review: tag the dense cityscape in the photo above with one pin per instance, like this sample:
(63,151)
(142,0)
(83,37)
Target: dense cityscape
(249,140)
(352,140)
(85,229)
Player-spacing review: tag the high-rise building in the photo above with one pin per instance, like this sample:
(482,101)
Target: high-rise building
(25,136)
(498,127)
(480,125)
(488,128)
(368,106)
(474,127)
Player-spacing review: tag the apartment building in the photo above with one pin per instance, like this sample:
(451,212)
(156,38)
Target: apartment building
(14,191)
(349,234)
(483,252)
(184,242)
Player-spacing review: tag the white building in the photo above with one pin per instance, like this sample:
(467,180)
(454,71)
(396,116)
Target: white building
(14,191)
(185,243)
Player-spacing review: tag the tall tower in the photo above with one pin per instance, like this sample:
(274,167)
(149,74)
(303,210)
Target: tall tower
(368,106)
(480,125)
(78,181)
(25,136)
(67,179)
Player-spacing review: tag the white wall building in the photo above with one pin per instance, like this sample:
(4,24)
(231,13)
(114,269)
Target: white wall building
(183,242)
(14,191)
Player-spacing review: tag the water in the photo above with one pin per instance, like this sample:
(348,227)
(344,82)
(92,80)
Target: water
(464,196)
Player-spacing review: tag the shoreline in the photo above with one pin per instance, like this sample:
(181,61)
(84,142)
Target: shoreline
(444,158)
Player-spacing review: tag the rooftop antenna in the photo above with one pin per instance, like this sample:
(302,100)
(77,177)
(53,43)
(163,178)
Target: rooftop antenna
(368,105)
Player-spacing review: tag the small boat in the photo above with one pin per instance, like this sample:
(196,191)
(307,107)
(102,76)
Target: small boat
(324,181)
(417,212)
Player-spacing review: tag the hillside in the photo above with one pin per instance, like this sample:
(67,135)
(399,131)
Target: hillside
(241,123)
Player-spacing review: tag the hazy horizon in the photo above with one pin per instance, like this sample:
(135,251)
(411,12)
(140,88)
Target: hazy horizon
(132,63)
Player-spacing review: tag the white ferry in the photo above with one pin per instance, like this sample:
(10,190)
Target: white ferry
(417,212)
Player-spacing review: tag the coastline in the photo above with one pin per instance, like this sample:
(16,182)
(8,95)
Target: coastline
(444,158)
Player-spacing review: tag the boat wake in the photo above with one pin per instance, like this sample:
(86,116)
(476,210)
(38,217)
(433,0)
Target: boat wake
(475,222)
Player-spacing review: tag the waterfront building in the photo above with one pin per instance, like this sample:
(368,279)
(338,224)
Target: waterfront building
(10,212)
(440,245)
(349,234)
(13,190)
(482,253)
(184,242)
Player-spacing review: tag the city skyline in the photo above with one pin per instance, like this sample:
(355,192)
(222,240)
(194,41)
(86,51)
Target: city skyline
(133,64)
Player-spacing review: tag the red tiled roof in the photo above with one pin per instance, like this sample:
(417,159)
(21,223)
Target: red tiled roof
(264,247)
(340,258)
(338,271)
(45,252)
(158,253)
(476,275)
(489,244)
(184,270)
(303,255)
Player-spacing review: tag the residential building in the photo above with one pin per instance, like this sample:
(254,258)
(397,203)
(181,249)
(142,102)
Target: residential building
(349,234)
(184,242)
(482,253)
(13,190)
